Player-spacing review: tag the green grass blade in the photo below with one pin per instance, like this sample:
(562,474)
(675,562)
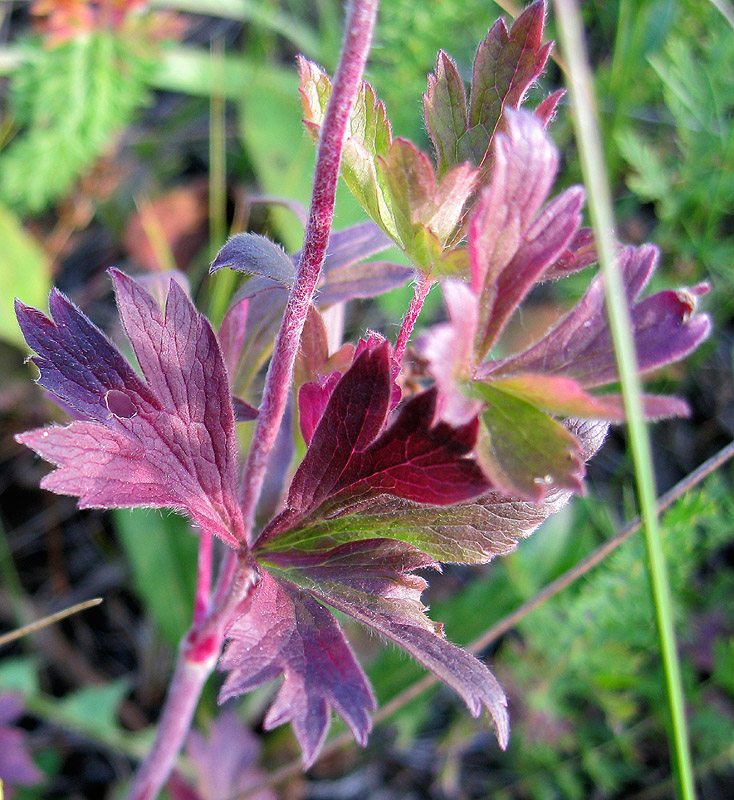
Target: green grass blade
(592,163)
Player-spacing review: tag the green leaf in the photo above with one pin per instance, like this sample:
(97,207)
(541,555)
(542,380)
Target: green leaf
(24,273)
(444,110)
(467,533)
(162,553)
(94,708)
(523,451)
(71,99)
(19,675)
(368,137)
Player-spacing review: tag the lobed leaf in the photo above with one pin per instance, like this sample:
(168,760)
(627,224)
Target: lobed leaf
(444,111)
(505,66)
(282,630)
(166,441)
(370,582)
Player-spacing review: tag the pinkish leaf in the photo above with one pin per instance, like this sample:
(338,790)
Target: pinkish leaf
(566,398)
(524,168)
(167,441)
(523,451)
(448,349)
(243,411)
(444,110)
(666,328)
(282,630)
(350,245)
(505,66)
(370,581)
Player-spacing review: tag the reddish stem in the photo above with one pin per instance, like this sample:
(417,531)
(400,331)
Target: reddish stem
(347,81)
(203,577)
(411,315)
(237,577)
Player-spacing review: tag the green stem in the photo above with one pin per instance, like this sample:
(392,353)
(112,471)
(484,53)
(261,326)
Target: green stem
(600,206)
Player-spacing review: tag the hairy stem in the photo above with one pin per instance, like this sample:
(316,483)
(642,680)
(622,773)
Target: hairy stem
(202,646)
(411,315)
(203,577)
(355,47)
(197,657)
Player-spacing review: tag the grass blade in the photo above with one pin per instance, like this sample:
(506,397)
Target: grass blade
(592,164)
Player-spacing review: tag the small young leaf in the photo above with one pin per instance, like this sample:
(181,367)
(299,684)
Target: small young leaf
(176,446)
(255,255)
(444,110)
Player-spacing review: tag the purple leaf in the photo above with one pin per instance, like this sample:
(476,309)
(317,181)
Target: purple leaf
(232,334)
(224,761)
(255,255)
(350,245)
(16,765)
(243,411)
(370,581)
(505,66)
(283,631)
(444,110)
(665,325)
(167,441)
(361,281)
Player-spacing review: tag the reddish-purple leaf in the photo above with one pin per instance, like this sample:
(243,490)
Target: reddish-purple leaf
(580,253)
(282,630)
(312,400)
(370,581)
(665,326)
(505,66)
(444,110)
(165,441)
(470,532)
(350,459)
